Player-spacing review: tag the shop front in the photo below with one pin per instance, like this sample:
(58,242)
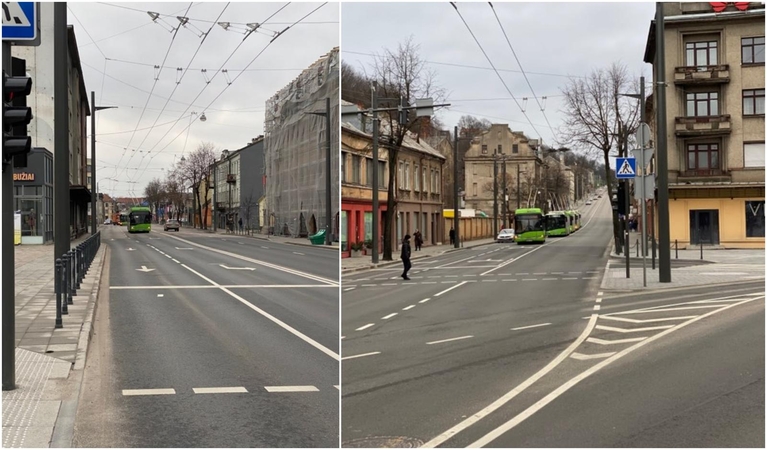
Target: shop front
(33,197)
(357,226)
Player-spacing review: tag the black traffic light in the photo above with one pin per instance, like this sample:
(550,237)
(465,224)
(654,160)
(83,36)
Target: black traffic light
(16,117)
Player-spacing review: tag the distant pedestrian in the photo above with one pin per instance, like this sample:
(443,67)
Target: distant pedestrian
(240,222)
(418,238)
(405,256)
(452,236)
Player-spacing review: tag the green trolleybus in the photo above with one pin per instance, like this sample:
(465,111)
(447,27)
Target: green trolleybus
(140,220)
(557,224)
(529,225)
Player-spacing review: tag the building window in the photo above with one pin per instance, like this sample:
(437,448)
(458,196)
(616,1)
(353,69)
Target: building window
(437,186)
(424,180)
(755,218)
(752,50)
(407,176)
(416,178)
(500,149)
(474,189)
(356,163)
(702,156)
(702,104)
(515,148)
(753,102)
(701,54)
(753,154)
(368,172)
(401,175)
(381,173)
(484,149)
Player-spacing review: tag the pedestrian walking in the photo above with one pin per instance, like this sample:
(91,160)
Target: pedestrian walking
(405,256)
(240,222)
(418,240)
(452,236)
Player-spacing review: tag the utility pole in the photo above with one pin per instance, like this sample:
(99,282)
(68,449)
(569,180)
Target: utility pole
(456,220)
(328,196)
(518,187)
(376,211)
(505,197)
(214,215)
(94,185)
(664,259)
(61,217)
(495,193)
(8,258)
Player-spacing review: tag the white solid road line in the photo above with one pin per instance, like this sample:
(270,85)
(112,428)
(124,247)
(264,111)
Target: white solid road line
(220,390)
(594,340)
(488,438)
(389,316)
(291,389)
(129,392)
(449,340)
(360,356)
(364,327)
(451,288)
(530,326)
(263,263)
(633,330)
(229,286)
(582,357)
(476,417)
(287,327)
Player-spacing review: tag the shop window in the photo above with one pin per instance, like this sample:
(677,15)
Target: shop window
(755,218)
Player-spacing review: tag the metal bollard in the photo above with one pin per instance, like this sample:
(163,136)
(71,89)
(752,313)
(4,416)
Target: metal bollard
(57,290)
(70,278)
(64,284)
(676,248)
(79,274)
(701,249)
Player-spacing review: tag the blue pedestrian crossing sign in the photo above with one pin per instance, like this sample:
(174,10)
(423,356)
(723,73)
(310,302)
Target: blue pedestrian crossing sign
(626,168)
(21,22)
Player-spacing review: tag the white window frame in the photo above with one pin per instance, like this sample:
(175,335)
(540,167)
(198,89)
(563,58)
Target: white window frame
(753,154)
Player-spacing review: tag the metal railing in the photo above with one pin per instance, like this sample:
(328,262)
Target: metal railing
(70,271)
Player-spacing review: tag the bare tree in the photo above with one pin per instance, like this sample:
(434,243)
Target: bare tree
(470,126)
(599,119)
(355,86)
(195,170)
(401,78)
(249,206)
(174,190)
(154,194)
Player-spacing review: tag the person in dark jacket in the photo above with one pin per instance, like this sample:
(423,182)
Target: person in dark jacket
(418,238)
(405,256)
(452,236)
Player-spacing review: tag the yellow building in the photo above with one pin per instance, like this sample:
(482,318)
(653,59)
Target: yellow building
(714,64)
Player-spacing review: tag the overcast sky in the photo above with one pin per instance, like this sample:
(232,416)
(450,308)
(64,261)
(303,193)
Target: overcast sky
(128,44)
(551,40)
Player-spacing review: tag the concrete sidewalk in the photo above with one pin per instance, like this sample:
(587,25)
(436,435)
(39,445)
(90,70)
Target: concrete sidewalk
(49,361)
(349,265)
(266,237)
(688,269)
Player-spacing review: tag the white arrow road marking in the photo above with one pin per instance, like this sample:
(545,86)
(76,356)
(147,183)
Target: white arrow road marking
(361,355)
(291,389)
(237,268)
(582,357)
(594,340)
(633,330)
(144,269)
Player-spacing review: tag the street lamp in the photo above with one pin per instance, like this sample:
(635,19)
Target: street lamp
(93,159)
(328,197)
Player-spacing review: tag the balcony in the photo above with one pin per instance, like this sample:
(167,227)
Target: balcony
(707,175)
(230,178)
(703,126)
(702,75)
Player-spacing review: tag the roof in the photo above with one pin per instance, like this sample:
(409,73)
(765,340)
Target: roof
(410,142)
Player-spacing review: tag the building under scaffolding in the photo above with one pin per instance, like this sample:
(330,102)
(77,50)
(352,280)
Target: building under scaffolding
(295,151)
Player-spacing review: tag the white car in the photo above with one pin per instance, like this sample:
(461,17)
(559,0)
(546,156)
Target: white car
(505,235)
(108,222)
(588,202)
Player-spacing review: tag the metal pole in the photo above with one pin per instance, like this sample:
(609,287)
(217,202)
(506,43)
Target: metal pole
(376,211)
(626,185)
(456,220)
(58,290)
(93,163)
(328,196)
(8,259)
(663,212)
(518,187)
(505,197)
(61,132)
(495,195)
(213,215)
(644,194)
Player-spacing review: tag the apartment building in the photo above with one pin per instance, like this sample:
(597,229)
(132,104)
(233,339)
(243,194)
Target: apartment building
(714,64)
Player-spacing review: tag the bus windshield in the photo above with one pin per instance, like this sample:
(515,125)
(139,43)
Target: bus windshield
(556,222)
(139,217)
(528,222)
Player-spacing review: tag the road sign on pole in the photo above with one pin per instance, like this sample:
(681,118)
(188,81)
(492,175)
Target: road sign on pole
(643,135)
(21,23)
(626,168)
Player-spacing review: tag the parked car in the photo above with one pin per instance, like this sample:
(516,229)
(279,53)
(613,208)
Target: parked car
(108,222)
(172,224)
(505,235)
(588,202)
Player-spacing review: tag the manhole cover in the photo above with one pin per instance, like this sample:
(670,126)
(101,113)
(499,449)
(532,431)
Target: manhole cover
(383,442)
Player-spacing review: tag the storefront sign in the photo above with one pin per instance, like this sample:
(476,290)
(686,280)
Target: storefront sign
(23,176)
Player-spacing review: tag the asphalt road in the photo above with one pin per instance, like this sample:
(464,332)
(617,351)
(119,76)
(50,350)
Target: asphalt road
(221,344)
(482,336)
